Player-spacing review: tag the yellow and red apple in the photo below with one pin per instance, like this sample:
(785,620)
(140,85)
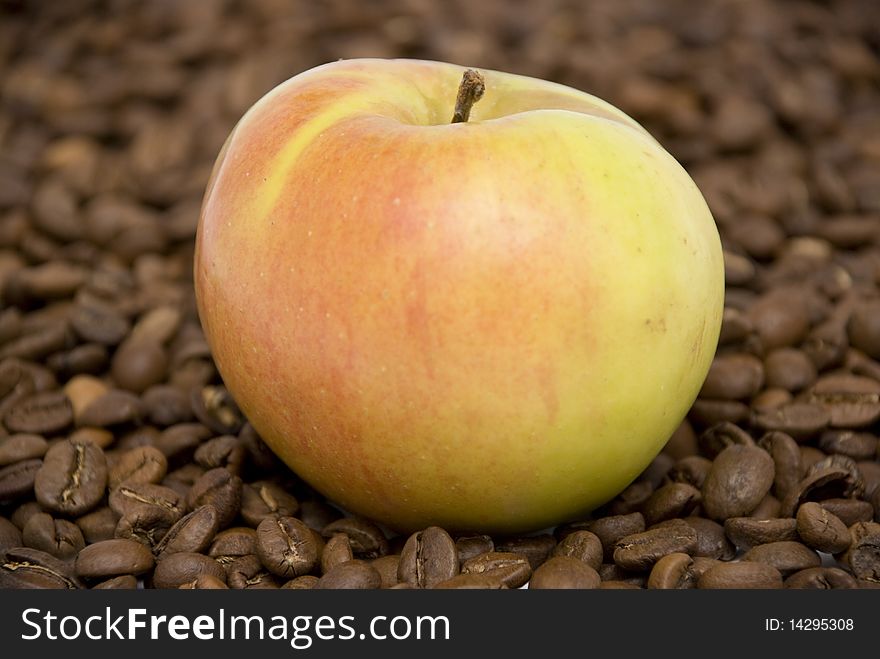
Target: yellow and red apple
(490,325)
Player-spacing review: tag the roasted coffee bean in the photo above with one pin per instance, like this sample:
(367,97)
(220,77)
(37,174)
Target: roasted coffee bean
(787,556)
(800,420)
(205,582)
(733,377)
(641,550)
(740,477)
(788,465)
(10,535)
(748,532)
(428,558)
(768,508)
(82,391)
(305,582)
(248,573)
(113,557)
(671,500)
(367,539)
(147,500)
(23,567)
(512,570)
(469,546)
(673,571)
(37,344)
(789,369)
(84,359)
(826,482)
(44,413)
(138,364)
(849,511)
(683,442)
(287,547)
(771,399)
(144,464)
(821,578)
(632,498)
(582,545)
(58,537)
(741,574)
(115,407)
(72,478)
(863,555)
(122,582)
(220,489)
(15,448)
(852,401)
(337,550)
(618,585)
(17,479)
(181,439)
(236,541)
(100,524)
(780,318)
(821,530)
(387,567)
(355,574)
(214,407)
(183,567)
(264,500)
(165,405)
(856,445)
(98,322)
(564,572)
(471,581)
(864,327)
(691,470)
(536,548)
(224,451)
(719,436)
(613,572)
(191,533)
(611,529)
(711,539)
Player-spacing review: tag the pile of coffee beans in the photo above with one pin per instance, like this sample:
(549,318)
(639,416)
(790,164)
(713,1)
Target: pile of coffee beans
(124,462)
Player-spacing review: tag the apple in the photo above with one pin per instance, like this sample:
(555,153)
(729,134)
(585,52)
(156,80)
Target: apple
(492,324)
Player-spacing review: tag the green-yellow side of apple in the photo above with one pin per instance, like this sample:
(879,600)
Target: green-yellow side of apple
(491,326)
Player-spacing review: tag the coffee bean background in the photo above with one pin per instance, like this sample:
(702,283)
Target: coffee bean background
(124,461)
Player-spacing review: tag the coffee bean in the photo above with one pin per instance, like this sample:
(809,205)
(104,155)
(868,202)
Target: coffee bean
(287,547)
(144,464)
(181,439)
(336,551)
(826,344)
(138,364)
(220,489)
(10,535)
(248,573)
(23,567)
(582,545)
(821,530)
(789,369)
(43,413)
(611,529)
(183,567)
(823,482)
(683,442)
(788,465)
(84,359)
(536,548)
(17,480)
(191,533)
(856,445)
(744,574)
(852,401)
(864,327)
(263,500)
(655,473)
(115,407)
(214,407)
(512,570)
(673,571)
(205,582)
(719,436)
(849,511)
(236,541)
(100,524)
(787,556)
(15,448)
(564,572)
(113,557)
(691,470)
(863,555)
(37,344)
(98,322)
(632,498)
(355,574)
(821,578)
(367,539)
(618,585)
(428,558)
(747,532)
(165,405)
(58,537)
(305,582)
(733,377)
(72,478)
(613,572)
(387,566)
(671,500)
(780,319)
(740,477)
(469,546)
(159,324)
(771,399)
(471,581)
(712,541)
(122,582)
(641,550)
(800,420)
(224,451)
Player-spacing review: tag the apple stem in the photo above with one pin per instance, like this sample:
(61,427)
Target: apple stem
(469,92)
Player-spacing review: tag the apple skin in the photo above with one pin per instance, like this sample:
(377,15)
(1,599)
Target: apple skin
(489,326)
